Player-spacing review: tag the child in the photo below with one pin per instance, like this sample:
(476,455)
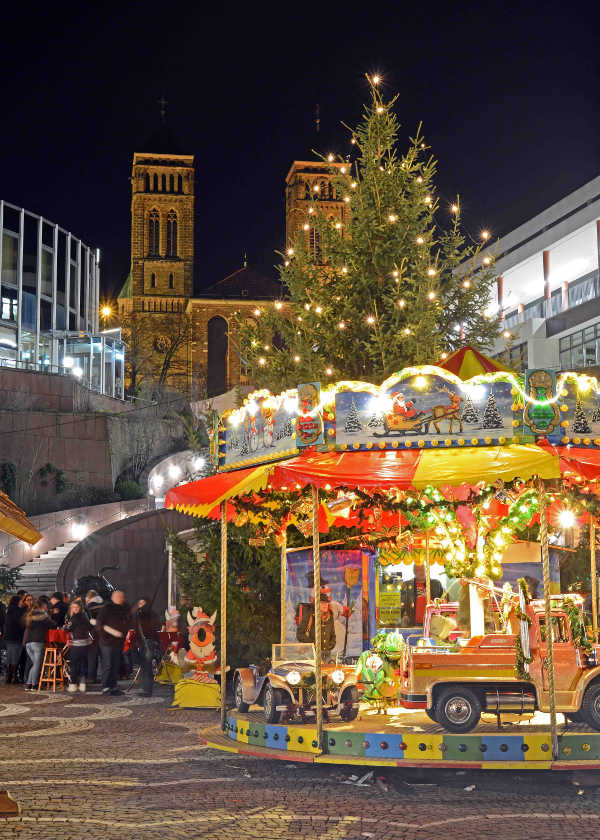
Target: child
(78,625)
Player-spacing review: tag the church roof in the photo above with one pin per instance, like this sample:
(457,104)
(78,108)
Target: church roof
(126,290)
(243,283)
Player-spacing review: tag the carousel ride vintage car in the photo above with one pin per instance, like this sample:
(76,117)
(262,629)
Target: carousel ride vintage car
(285,687)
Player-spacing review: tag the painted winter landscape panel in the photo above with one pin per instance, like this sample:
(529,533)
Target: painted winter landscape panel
(583,413)
(261,435)
(425,408)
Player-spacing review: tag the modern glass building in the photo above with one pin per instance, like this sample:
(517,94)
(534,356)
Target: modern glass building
(49,298)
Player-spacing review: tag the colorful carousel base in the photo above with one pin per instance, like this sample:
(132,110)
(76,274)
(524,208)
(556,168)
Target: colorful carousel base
(190,694)
(409,739)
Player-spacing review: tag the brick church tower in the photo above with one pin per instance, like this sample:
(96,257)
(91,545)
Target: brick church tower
(162,223)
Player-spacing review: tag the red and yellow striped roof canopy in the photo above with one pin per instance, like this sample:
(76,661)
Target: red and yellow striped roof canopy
(467,362)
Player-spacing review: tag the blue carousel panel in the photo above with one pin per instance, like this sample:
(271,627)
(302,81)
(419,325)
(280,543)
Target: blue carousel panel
(426,408)
(261,435)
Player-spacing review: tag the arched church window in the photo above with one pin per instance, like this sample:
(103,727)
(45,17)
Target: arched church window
(314,244)
(171,183)
(155,185)
(147,182)
(179,184)
(164,183)
(153,281)
(172,234)
(153,233)
(171,282)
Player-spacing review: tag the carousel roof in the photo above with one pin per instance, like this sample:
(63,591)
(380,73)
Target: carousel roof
(13,521)
(467,362)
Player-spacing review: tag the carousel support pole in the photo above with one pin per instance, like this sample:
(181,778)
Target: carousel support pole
(427,569)
(170,599)
(548,614)
(283,585)
(317,596)
(594,576)
(223,613)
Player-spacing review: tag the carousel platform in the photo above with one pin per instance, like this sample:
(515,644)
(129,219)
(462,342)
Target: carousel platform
(405,738)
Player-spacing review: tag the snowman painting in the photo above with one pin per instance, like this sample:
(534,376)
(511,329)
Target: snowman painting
(253,434)
(268,428)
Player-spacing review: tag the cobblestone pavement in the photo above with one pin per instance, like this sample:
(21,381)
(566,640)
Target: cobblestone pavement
(90,767)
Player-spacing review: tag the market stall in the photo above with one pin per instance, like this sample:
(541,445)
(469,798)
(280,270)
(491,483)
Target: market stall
(426,466)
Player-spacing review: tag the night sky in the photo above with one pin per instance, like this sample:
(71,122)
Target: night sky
(508,99)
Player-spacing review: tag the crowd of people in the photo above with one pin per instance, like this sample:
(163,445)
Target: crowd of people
(105,637)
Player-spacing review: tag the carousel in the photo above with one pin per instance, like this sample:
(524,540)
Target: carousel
(459,486)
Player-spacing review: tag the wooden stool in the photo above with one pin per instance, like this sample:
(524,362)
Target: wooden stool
(52,673)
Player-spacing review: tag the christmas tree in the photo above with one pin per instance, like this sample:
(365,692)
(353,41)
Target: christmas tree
(286,430)
(393,282)
(470,414)
(596,415)
(580,421)
(491,415)
(375,421)
(353,424)
(244,446)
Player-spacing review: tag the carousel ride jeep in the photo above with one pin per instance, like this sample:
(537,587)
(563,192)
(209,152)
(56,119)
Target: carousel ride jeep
(286,687)
(454,685)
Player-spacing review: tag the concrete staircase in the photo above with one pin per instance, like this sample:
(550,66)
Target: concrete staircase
(39,575)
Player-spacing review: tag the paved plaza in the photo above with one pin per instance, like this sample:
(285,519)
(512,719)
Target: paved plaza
(91,767)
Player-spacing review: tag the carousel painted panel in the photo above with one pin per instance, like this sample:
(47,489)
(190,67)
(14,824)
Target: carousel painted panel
(264,429)
(419,411)
(579,414)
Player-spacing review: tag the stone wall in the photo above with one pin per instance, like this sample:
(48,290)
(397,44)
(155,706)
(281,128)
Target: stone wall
(22,390)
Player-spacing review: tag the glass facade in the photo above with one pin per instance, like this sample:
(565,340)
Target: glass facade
(580,349)
(49,295)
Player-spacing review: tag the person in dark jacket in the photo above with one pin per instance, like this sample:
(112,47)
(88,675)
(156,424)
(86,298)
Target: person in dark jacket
(37,624)
(78,625)
(58,609)
(112,625)
(146,625)
(14,627)
(93,605)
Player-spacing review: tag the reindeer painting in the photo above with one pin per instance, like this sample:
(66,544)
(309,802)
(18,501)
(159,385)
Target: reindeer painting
(450,412)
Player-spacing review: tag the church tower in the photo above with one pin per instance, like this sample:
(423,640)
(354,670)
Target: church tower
(162,222)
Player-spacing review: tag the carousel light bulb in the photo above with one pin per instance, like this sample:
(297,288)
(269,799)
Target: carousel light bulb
(420,382)
(485,235)
(444,355)
(566,518)
(330,158)
(343,170)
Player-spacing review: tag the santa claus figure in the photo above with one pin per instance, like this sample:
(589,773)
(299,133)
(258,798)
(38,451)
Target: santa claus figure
(403,407)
